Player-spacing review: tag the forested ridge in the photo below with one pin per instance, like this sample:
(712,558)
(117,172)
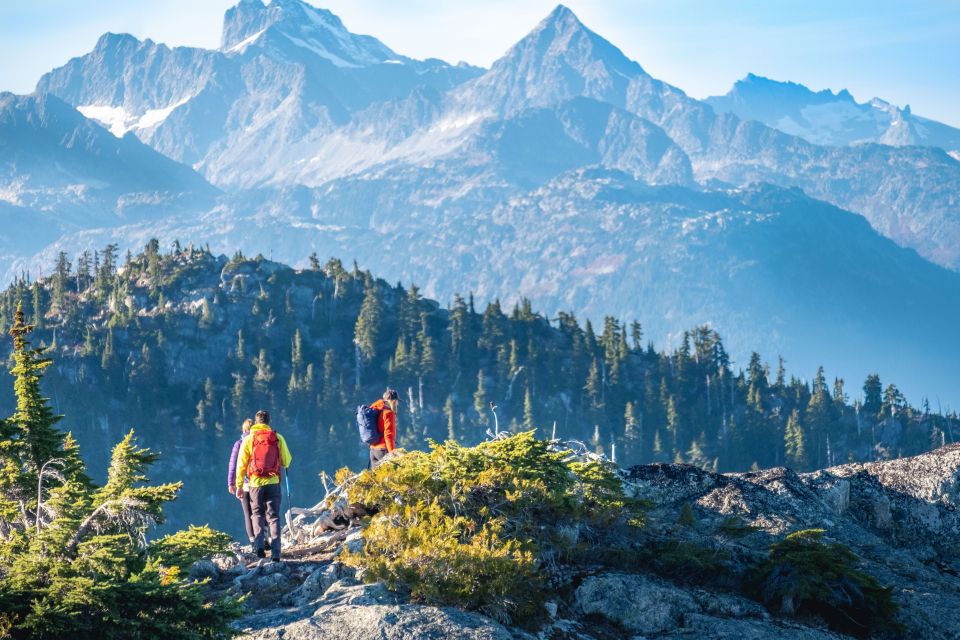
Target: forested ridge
(183,345)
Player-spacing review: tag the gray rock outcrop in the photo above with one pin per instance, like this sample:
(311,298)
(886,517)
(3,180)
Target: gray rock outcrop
(899,517)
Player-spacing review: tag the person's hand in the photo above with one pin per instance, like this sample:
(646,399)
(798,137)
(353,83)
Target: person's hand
(232,490)
(239,493)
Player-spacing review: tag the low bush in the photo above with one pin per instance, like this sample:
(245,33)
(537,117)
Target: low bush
(485,527)
(686,562)
(804,576)
(183,548)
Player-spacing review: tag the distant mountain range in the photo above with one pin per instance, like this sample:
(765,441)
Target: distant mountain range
(564,173)
(824,117)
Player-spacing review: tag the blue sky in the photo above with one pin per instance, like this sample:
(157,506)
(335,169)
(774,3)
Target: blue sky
(904,52)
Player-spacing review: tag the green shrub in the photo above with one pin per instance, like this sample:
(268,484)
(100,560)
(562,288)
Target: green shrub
(183,548)
(684,561)
(735,529)
(805,576)
(472,526)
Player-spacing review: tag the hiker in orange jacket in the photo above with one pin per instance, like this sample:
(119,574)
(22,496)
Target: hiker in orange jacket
(388,426)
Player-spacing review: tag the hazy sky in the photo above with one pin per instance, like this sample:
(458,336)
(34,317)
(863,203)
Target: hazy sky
(905,52)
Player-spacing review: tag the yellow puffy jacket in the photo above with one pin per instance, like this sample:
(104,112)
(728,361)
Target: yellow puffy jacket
(246,451)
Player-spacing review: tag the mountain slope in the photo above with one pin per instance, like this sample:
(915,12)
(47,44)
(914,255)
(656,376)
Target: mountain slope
(829,118)
(908,195)
(53,159)
(764,265)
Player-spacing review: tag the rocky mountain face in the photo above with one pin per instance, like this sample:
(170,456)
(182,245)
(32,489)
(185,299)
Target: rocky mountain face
(828,118)
(288,76)
(899,518)
(293,98)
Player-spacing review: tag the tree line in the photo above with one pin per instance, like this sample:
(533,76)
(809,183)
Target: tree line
(184,344)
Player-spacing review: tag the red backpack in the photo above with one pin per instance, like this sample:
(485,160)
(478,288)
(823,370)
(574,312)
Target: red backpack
(264,455)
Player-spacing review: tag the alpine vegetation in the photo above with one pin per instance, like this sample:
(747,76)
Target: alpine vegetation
(496,527)
(74,559)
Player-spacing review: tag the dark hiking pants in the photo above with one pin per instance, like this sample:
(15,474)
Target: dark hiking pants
(376,455)
(265,503)
(247,515)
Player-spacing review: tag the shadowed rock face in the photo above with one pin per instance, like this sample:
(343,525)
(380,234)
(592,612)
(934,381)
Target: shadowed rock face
(899,517)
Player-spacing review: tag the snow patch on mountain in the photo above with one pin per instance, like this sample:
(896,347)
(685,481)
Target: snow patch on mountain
(241,46)
(118,121)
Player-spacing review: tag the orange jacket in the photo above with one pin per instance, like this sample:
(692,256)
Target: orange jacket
(388,426)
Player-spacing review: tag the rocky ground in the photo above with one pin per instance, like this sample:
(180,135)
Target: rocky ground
(900,517)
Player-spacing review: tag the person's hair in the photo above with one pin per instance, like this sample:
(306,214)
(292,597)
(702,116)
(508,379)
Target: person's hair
(246,425)
(391,394)
(263,417)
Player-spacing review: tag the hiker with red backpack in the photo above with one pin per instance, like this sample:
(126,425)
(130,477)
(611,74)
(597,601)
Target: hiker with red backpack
(263,457)
(378,425)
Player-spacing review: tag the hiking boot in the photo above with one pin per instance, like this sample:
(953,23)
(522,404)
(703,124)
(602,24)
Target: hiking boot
(275,559)
(260,553)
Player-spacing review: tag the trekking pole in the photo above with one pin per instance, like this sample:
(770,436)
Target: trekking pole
(288,516)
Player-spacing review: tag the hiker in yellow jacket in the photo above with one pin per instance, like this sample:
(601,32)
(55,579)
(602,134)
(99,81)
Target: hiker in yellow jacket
(262,454)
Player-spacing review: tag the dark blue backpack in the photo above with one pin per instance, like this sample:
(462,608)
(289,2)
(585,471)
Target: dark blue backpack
(368,422)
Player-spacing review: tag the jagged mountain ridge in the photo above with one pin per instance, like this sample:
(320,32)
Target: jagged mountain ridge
(829,118)
(299,76)
(313,131)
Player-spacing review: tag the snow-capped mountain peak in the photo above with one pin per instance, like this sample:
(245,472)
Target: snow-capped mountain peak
(304,26)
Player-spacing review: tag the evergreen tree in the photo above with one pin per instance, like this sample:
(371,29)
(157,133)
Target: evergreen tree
(448,414)
(367,328)
(636,336)
(818,418)
(480,401)
(36,295)
(61,278)
(632,434)
(264,375)
(893,401)
(529,421)
(593,387)
(38,439)
(794,442)
(872,395)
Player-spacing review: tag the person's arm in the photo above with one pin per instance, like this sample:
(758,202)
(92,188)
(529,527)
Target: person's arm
(285,456)
(390,430)
(242,461)
(232,471)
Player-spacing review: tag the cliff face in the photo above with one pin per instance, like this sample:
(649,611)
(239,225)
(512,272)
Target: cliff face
(900,519)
